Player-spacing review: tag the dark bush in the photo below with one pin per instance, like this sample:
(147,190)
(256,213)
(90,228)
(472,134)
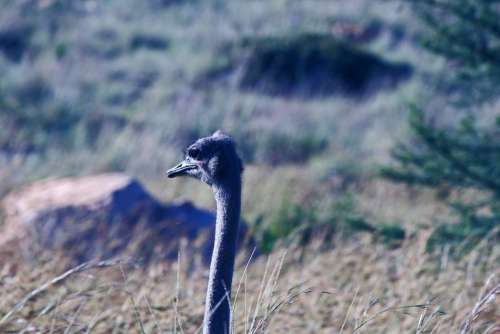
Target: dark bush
(34,91)
(309,64)
(162,4)
(391,234)
(14,41)
(148,41)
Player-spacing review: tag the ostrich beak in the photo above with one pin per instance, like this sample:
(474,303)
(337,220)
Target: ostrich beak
(181,169)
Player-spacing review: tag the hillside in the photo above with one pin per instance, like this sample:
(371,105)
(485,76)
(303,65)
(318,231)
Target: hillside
(99,86)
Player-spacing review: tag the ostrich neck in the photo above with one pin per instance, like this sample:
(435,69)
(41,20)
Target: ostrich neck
(218,301)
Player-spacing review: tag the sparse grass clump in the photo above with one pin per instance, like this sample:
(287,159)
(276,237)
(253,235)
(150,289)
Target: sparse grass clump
(324,215)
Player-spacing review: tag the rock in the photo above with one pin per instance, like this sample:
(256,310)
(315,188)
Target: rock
(102,216)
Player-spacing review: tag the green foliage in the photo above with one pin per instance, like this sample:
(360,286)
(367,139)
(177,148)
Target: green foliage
(391,234)
(463,164)
(461,161)
(466,156)
(301,222)
(465,235)
(21,124)
(45,122)
(342,216)
(288,218)
(467,34)
(61,50)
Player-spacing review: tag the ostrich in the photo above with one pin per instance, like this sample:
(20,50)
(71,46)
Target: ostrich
(214,161)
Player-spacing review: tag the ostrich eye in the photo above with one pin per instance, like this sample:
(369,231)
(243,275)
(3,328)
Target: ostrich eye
(193,153)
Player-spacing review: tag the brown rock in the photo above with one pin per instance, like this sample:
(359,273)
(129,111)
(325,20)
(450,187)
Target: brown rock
(102,216)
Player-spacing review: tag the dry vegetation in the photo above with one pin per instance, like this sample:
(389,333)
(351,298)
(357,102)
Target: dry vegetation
(354,285)
(354,288)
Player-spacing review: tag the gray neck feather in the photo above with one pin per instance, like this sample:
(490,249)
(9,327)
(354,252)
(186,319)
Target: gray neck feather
(218,300)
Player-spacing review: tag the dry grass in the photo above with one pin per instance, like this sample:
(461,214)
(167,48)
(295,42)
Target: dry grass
(356,287)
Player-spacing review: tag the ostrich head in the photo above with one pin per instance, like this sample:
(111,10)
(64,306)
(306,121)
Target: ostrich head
(212,160)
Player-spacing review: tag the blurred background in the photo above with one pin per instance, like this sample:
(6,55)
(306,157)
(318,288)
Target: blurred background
(365,126)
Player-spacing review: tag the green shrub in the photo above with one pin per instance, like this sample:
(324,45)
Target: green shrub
(463,236)
(61,50)
(391,234)
(287,219)
(301,222)
(30,117)
(34,120)
(458,159)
